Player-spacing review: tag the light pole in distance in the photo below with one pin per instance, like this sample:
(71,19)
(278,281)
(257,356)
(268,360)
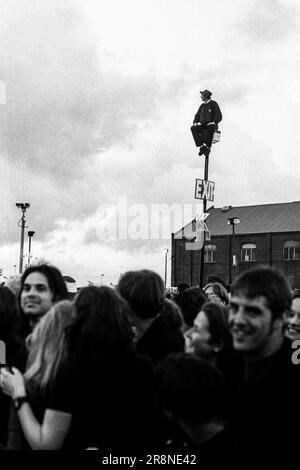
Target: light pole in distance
(30,235)
(232,221)
(23,206)
(166,250)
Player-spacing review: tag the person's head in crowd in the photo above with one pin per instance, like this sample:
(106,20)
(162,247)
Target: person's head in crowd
(102,326)
(215,292)
(192,392)
(172,314)
(144,290)
(47,345)
(41,287)
(210,336)
(13,283)
(190,302)
(182,286)
(292,319)
(211,279)
(259,299)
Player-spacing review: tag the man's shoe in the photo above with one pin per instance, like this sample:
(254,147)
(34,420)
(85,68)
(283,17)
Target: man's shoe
(206,151)
(202,149)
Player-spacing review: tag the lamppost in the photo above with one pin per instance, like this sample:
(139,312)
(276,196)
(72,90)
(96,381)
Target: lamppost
(101,281)
(232,221)
(166,250)
(30,235)
(23,206)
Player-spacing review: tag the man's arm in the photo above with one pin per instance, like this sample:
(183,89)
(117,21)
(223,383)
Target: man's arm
(217,115)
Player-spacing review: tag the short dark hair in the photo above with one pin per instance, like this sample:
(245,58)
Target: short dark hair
(216,315)
(54,277)
(267,282)
(182,286)
(218,279)
(144,290)
(190,302)
(190,388)
(172,314)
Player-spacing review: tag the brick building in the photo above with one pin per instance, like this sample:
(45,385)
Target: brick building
(266,235)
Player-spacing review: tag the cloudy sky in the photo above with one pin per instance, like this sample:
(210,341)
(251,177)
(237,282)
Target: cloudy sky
(96,101)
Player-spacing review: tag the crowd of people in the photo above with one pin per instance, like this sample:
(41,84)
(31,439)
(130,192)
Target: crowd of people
(135,367)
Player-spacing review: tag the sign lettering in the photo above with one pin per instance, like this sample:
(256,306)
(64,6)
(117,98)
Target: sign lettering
(204,190)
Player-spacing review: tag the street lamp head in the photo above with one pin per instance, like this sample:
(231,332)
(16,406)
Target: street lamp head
(23,205)
(165,250)
(31,233)
(233,221)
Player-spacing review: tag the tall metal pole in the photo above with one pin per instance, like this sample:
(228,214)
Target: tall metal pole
(166,265)
(23,206)
(233,253)
(22,242)
(30,235)
(230,259)
(204,211)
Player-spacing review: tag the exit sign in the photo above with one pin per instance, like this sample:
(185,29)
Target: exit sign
(204,189)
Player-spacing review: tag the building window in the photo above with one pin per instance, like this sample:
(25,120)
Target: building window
(210,253)
(248,252)
(291,250)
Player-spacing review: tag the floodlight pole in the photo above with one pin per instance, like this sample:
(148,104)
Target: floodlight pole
(23,207)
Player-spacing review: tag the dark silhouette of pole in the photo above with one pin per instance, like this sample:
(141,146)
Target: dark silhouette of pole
(232,221)
(166,265)
(21,223)
(203,233)
(233,252)
(30,235)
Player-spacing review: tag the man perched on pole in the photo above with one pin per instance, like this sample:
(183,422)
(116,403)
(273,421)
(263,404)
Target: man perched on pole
(206,122)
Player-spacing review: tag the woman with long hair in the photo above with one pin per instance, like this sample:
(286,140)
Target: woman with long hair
(100,391)
(114,401)
(13,351)
(43,428)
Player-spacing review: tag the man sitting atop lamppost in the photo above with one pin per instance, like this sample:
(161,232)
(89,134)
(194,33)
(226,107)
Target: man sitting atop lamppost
(206,122)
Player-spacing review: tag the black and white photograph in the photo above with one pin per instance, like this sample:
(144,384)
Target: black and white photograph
(150,230)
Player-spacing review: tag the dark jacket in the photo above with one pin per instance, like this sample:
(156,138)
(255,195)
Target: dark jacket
(208,112)
(266,415)
(160,340)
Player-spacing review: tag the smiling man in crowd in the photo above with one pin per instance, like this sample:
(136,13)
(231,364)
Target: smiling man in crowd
(41,287)
(270,381)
